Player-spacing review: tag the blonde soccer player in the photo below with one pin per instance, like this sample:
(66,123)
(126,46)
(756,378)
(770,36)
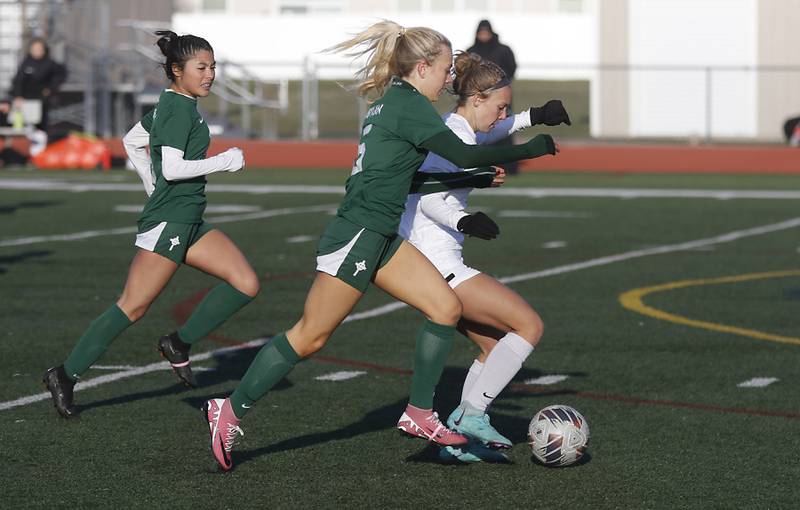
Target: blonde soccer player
(502,324)
(171,227)
(406,71)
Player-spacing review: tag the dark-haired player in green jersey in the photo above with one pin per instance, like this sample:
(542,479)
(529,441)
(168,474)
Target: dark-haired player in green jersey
(407,69)
(171,227)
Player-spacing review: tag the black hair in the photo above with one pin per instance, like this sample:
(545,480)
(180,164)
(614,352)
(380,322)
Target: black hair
(178,49)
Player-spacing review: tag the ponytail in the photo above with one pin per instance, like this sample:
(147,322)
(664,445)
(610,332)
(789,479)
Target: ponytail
(391,50)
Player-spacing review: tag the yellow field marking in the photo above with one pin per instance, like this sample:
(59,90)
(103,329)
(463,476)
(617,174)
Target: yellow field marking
(632,300)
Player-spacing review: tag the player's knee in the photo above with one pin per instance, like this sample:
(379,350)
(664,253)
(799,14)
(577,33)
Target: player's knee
(531,328)
(307,340)
(134,312)
(447,311)
(248,284)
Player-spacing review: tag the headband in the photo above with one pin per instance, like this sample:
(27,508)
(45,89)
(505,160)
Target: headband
(504,82)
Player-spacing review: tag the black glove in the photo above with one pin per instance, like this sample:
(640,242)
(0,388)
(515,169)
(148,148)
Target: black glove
(540,145)
(551,114)
(478,225)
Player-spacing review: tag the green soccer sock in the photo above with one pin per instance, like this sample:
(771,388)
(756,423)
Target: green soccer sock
(94,342)
(271,364)
(218,306)
(433,345)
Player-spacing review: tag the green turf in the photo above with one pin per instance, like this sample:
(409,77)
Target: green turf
(670,427)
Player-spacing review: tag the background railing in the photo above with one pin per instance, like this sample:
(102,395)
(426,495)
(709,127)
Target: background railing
(110,86)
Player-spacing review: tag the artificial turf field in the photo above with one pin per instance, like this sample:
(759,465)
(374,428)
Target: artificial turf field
(672,426)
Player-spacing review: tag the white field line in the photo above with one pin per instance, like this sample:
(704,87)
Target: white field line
(390,307)
(210,209)
(81,187)
(540,214)
(340,376)
(546,380)
(20,241)
(720,194)
(757,382)
(105,379)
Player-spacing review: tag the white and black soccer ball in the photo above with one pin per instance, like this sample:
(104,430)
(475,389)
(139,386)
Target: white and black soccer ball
(559,436)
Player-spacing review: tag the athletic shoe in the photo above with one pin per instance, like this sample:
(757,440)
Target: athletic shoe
(223,426)
(476,424)
(425,423)
(60,386)
(474,451)
(177,353)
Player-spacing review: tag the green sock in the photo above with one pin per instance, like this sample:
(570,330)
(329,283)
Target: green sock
(218,306)
(94,342)
(433,345)
(271,364)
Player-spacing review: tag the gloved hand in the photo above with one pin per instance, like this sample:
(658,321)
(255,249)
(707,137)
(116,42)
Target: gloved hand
(234,159)
(551,114)
(478,225)
(540,145)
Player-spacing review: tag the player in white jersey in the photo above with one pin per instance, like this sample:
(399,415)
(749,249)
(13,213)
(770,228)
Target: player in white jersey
(436,224)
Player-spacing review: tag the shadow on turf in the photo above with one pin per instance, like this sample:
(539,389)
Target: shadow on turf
(379,419)
(447,398)
(20,258)
(587,457)
(230,367)
(12,208)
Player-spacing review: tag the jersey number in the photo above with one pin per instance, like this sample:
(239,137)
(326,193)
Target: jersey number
(362,148)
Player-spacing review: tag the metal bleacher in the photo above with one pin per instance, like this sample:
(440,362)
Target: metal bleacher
(113,71)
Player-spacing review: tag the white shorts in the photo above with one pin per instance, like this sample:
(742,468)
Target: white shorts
(451,266)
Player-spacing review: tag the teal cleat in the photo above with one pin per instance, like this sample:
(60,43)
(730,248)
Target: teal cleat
(473,452)
(476,425)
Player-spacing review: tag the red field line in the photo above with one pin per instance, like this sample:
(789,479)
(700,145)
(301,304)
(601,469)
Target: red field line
(574,156)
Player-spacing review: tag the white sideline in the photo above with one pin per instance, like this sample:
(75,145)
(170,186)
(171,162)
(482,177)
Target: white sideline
(381,310)
(20,241)
(152,367)
(261,189)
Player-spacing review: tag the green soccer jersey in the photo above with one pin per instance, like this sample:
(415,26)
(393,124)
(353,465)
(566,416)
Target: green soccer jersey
(175,122)
(389,154)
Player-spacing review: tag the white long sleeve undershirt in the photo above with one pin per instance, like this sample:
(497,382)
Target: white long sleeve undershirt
(175,168)
(135,142)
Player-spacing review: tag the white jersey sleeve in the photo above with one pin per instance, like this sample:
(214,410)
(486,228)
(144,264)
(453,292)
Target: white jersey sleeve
(505,128)
(429,221)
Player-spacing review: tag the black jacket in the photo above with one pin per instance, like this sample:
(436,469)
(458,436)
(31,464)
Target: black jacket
(498,53)
(33,76)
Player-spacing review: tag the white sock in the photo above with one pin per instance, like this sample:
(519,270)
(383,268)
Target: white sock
(500,367)
(472,376)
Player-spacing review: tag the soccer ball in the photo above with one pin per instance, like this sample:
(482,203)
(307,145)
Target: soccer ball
(559,436)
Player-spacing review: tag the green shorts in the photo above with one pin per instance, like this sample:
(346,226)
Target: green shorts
(353,253)
(172,240)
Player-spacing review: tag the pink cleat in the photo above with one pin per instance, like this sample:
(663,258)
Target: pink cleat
(223,425)
(425,423)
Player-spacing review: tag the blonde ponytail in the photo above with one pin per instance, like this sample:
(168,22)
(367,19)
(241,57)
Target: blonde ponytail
(391,50)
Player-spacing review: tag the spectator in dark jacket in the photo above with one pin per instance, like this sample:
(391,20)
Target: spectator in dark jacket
(488,46)
(38,77)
